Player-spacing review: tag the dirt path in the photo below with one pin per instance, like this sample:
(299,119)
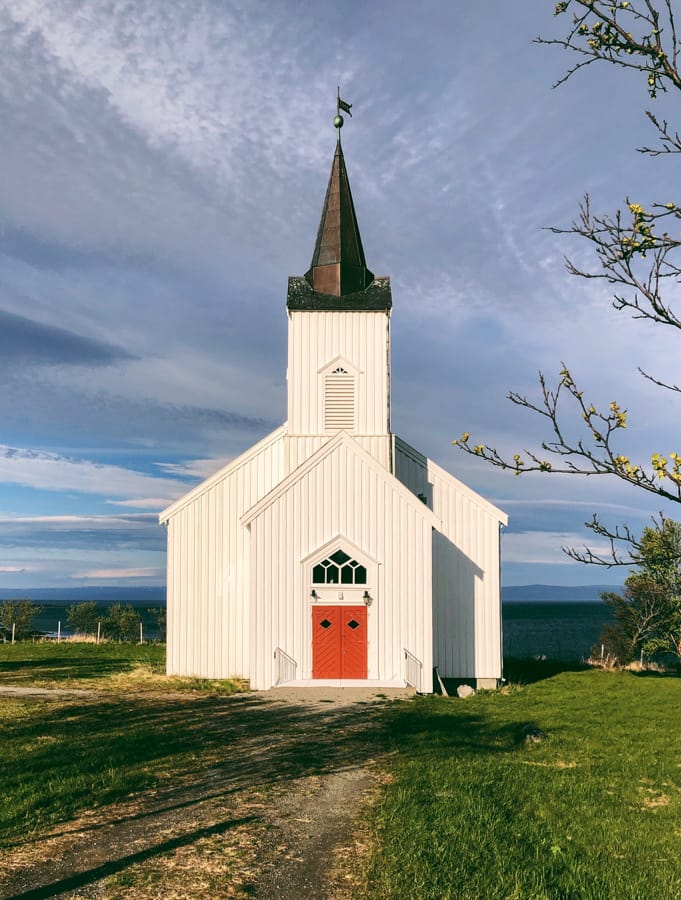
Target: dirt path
(274,818)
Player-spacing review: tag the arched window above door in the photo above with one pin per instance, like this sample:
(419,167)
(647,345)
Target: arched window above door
(339,568)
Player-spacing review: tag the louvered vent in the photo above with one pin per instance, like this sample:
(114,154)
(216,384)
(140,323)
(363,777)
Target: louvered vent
(339,401)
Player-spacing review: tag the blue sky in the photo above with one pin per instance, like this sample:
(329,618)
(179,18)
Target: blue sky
(163,169)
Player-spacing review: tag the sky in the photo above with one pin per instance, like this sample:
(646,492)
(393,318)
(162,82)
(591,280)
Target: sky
(164,164)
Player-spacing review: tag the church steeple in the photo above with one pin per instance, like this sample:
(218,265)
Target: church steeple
(338,277)
(338,265)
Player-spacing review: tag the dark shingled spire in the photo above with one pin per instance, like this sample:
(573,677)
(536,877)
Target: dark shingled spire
(338,266)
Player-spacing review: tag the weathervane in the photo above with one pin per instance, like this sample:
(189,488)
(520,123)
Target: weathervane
(341,105)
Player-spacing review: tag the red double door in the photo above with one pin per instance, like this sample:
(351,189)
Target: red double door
(339,642)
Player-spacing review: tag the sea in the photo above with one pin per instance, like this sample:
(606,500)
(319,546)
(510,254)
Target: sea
(556,630)
(538,620)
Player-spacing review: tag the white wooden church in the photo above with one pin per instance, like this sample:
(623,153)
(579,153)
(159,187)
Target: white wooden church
(332,552)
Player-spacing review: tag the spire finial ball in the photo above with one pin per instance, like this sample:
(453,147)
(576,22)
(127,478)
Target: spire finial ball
(338,122)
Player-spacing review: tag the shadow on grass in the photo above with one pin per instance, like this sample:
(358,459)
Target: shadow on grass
(18,670)
(20,663)
(164,755)
(528,671)
(654,673)
(114,866)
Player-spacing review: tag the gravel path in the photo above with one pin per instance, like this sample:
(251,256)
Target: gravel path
(268,821)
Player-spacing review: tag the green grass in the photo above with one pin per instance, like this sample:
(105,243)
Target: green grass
(60,755)
(106,666)
(594,811)
(74,664)
(470,812)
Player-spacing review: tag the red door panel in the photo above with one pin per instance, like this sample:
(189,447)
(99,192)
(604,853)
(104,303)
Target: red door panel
(354,641)
(339,642)
(326,642)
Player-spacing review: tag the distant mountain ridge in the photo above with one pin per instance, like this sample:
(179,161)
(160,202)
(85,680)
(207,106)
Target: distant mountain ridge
(156,595)
(135,596)
(554,593)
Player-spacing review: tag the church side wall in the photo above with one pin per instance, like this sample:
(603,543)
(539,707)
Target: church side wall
(466,583)
(318,338)
(342,496)
(208,571)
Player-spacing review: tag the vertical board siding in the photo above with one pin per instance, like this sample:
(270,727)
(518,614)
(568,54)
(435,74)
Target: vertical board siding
(466,588)
(208,565)
(301,447)
(315,512)
(316,339)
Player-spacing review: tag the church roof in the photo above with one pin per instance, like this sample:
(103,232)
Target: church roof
(338,268)
(338,265)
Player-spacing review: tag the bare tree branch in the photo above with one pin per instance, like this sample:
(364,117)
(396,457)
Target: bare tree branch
(663,384)
(591,452)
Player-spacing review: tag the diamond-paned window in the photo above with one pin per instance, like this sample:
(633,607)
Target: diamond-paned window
(339,568)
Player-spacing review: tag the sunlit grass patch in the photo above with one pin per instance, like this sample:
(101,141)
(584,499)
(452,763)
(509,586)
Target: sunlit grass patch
(73,664)
(591,811)
(147,677)
(62,755)
(106,666)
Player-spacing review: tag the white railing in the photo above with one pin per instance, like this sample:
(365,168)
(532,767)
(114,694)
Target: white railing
(285,667)
(412,670)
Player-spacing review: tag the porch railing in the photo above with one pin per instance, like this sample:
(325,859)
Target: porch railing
(412,670)
(285,667)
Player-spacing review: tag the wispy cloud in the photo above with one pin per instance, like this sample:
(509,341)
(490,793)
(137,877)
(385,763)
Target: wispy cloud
(52,472)
(195,468)
(24,341)
(164,166)
(129,531)
(115,574)
(157,503)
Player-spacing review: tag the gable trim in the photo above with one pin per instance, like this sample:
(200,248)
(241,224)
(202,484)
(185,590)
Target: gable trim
(222,473)
(402,446)
(313,461)
(339,542)
(339,361)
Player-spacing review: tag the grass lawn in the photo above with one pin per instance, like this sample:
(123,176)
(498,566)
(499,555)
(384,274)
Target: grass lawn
(60,755)
(468,809)
(75,664)
(592,811)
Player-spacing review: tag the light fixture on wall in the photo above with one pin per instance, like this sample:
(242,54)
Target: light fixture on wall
(366,598)
(314,595)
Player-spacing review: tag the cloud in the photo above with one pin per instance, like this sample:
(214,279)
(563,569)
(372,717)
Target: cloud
(157,503)
(52,472)
(543,547)
(195,468)
(164,165)
(133,532)
(14,570)
(27,342)
(115,574)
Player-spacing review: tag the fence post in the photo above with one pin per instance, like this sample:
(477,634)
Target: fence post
(141,636)
(59,632)
(14,625)
(99,630)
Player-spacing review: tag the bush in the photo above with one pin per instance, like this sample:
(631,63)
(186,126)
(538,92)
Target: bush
(20,614)
(122,623)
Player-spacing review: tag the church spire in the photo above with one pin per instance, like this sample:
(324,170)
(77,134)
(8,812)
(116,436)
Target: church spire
(338,277)
(338,266)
